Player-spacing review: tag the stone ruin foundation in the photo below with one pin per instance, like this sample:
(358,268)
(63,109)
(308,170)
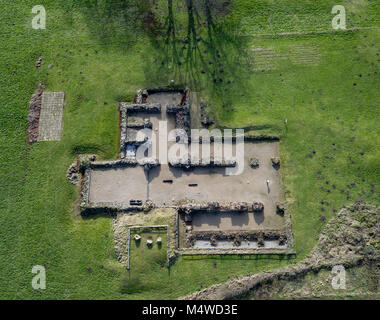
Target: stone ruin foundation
(190,239)
(228,241)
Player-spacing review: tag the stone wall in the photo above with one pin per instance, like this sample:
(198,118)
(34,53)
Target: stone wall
(163,90)
(124,163)
(143,107)
(85,190)
(126,124)
(204,207)
(111,208)
(86,164)
(235,237)
(139,123)
(34,114)
(187,164)
(123,129)
(182,113)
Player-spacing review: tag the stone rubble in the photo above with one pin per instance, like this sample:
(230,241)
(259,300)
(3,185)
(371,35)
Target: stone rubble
(275,161)
(39,63)
(34,114)
(73,173)
(145,107)
(257,207)
(254,163)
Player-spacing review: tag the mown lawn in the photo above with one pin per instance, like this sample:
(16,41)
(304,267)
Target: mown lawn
(100,55)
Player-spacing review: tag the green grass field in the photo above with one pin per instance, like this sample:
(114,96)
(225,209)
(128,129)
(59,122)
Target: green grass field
(101,54)
(144,259)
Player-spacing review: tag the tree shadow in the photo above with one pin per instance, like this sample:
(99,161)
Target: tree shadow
(206,53)
(197,45)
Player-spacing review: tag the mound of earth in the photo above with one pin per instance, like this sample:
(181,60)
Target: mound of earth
(350,239)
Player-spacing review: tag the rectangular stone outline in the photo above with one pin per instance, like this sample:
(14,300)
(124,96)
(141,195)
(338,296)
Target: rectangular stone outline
(115,207)
(152,227)
(59,97)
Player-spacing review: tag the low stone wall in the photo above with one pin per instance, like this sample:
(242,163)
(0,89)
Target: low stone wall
(236,238)
(261,138)
(256,235)
(85,190)
(182,114)
(204,207)
(211,253)
(164,90)
(111,208)
(171,108)
(238,287)
(38,63)
(139,97)
(289,229)
(139,124)
(124,163)
(87,163)
(34,114)
(143,107)
(123,129)
(247,138)
(187,164)
(181,111)
(137,107)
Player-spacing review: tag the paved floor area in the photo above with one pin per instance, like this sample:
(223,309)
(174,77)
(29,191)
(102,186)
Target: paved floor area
(50,124)
(200,184)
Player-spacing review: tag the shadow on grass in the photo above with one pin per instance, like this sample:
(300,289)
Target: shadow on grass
(96,216)
(206,53)
(197,45)
(131,285)
(85,149)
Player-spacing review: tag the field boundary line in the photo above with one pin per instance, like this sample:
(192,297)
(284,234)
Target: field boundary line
(301,33)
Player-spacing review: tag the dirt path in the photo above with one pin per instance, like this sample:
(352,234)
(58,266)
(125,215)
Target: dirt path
(300,33)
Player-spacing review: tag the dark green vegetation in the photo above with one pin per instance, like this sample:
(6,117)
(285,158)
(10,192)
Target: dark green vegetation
(100,54)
